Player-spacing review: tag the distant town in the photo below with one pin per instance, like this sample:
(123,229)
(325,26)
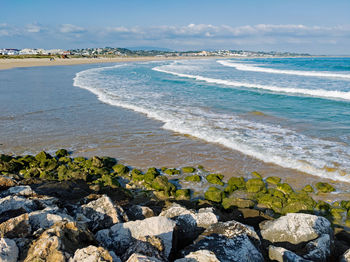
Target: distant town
(124,52)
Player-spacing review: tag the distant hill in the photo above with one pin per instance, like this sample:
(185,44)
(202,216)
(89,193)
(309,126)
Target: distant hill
(149,48)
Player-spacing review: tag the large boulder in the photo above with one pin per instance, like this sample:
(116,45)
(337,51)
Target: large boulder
(16,227)
(8,250)
(319,249)
(121,235)
(150,246)
(6,182)
(281,254)
(229,241)
(102,213)
(11,203)
(142,258)
(18,191)
(295,228)
(137,212)
(59,242)
(91,254)
(199,256)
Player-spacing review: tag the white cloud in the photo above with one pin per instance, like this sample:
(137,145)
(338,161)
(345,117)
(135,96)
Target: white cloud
(33,28)
(69,28)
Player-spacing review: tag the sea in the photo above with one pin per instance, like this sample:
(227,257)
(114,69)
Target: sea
(278,115)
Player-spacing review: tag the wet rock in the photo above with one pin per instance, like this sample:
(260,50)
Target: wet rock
(142,258)
(18,191)
(91,254)
(237,182)
(319,249)
(150,246)
(345,257)
(295,228)
(16,202)
(190,223)
(229,241)
(188,169)
(6,182)
(199,256)
(231,202)
(324,187)
(193,178)
(16,227)
(59,242)
(8,250)
(119,236)
(274,180)
(215,179)
(255,185)
(102,213)
(281,254)
(44,219)
(214,194)
(138,212)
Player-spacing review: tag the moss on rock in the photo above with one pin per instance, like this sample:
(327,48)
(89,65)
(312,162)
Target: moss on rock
(308,189)
(324,187)
(274,180)
(214,194)
(121,169)
(255,185)
(228,203)
(230,188)
(215,179)
(256,175)
(42,156)
(193,178)
(285,188)
(61,153)
(237,182)
(136,175)
(188,169)
(172,171)
(183,194)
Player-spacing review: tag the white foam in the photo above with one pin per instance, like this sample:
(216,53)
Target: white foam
(330,94)
(245,67)
(264,142)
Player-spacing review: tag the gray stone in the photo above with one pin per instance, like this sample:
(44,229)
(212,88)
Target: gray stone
(91,254)
(345,257)
(142,258)
(199,256)
(16,227)
(119,236)
(295,228)
(18,191)
(8,250)
(138,212)
(229,241)
(16,202)
(319,249)
(281,254)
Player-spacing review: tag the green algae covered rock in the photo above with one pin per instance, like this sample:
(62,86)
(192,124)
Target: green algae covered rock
(61,153)
(172,171)
(276,193)
(65,160)
(270,201)
(337,212)
(121,169)
(161,183)
(31,172)
(108,180)
(151,174)
(5,158)
(108,162)
(274,180)
(255,185)
(323,207)
(230,188)
(188,169)
(183,194)
(214,194)
(256,175)
(285,188)
(215,179)
(193,178)
(228,203)
(97,162)
(49,164)
(136,175)
(42,156)
(46,175)
(324,187)
(295,207)
(308,189)
(237,182)
(345,204)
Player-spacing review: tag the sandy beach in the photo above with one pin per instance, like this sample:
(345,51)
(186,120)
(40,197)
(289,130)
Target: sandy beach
(30,62)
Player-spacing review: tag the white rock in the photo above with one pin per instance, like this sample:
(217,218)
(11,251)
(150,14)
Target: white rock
(281,254)
(19,191)
(295,228)
(16,202)
(119,236)
(141,258)
(8,250)
(92,254)
(44,219)
(345,257)
(199,256)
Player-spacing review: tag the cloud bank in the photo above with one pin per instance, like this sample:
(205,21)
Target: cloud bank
(192,36)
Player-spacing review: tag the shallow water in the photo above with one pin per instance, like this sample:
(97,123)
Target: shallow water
(41,109)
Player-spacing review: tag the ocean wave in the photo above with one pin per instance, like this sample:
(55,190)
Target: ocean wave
(329,94)
(246,67)
(261,141)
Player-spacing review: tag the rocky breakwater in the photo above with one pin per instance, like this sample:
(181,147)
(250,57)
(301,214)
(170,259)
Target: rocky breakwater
(59,208)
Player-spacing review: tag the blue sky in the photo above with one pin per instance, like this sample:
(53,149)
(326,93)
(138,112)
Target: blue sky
(317,27)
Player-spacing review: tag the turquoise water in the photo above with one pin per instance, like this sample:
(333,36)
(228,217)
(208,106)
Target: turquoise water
(293,112)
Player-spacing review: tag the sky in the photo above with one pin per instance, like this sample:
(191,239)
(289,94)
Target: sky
(303,26)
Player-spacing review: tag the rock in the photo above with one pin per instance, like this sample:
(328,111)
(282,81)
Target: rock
(8,250)
(231,202)
(190,224)
(44,219)
(345,257)
(150,246)
(142,258)
(229,241)
(237,182)
(199,256)
(308,189)
(324,187)
(120,169)
(214,194)
(137,212)
(215,179)
(59,241)
(6,182)
(61,153)
(188,169)
(256,175)
(172,171)
(295,228)
(285,188)
(274,180)
(119,236)
(91,254)
(16,202)
(193,178)
(183,194)
(18,191)
(102,213)
(281,254)
(319,249)
(16,227)
(255,185)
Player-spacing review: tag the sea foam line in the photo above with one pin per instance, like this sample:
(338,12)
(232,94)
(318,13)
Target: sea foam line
(174,123)
(245,67)
(301,91)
